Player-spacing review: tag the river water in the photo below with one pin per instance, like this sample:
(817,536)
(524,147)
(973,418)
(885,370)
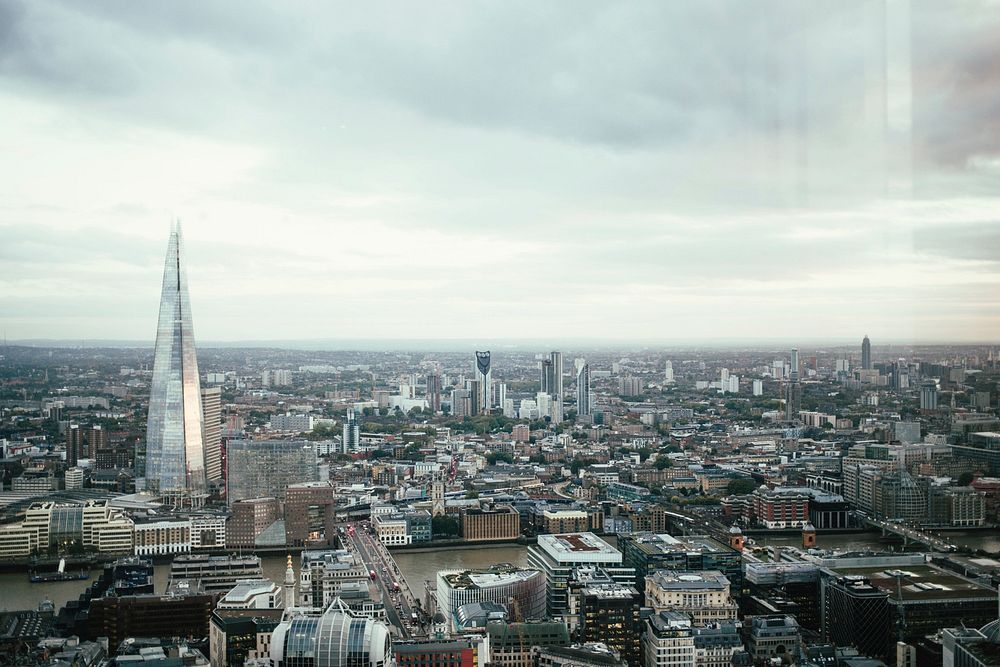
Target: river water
(16,592)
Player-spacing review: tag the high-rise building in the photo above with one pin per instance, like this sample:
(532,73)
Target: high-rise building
(484,375)
(82,442)
(556,385)
(794,374)
(352,431)
(928,395)
(175,447)
(558,555)
(433,393)
(866,354)
(211,410)
(266,468)
(793,400)
(583,391)
(476,400)
(546,376)
(668,373)
(609,614)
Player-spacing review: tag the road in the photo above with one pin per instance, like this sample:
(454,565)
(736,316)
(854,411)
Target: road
(399,605)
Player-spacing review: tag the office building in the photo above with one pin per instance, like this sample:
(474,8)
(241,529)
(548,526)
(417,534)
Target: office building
(211,410)
(521,591)
(499,522)
(463,652)
(335,637)
(516,644)
(583,391)
(215,574)
(609,614)
(866,354)
(175,447)
(352,431)
(83,442)
(162,536)
(259,468)
(775,636)
(969,647)
(646,552)
(235,634)
(323,574)
(310,514)
(248,519)
(178,615)
(253,594)
(668,640)
(717,644)
(558,555)
(73,479)
(580,655)
(668,373)
(92,524)
(705,596)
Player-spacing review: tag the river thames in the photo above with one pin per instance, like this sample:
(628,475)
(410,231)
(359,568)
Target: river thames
(16,592)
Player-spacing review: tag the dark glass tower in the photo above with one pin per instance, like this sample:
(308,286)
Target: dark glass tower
(175,452)
(866,354)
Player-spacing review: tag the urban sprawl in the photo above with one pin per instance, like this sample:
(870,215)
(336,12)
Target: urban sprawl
(642,485)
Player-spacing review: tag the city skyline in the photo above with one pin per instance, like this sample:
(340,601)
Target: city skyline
(697,184)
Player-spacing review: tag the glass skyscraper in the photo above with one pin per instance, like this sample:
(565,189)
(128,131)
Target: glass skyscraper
(175,453)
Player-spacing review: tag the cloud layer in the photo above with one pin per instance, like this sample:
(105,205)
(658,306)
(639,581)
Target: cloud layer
(681,171)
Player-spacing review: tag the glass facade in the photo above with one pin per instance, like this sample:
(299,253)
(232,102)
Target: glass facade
(334,639)
(175,459)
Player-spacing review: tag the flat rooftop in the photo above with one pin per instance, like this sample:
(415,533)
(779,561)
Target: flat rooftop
(497,575)
(663,543)
(579,547)
(919,583)
(689,580)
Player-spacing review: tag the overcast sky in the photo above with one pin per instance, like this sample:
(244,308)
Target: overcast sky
(664,170)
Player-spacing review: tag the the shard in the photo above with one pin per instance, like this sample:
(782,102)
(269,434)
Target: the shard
(175,454)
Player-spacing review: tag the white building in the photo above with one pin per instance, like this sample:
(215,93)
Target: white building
(522,591)
(253,594)
(163,536)
(293,423)
(391,530)
(208,532)
(705,595)
(557,555)
(74,479)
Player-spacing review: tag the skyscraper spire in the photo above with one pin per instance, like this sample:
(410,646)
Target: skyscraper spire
(175,455)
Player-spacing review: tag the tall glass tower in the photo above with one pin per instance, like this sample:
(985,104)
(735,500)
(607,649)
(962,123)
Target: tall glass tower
(175,452)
